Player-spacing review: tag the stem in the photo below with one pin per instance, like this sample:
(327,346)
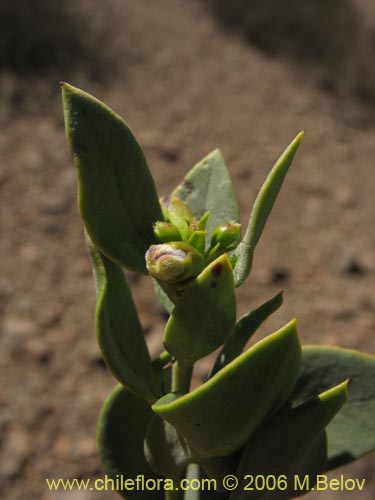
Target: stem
(181,376)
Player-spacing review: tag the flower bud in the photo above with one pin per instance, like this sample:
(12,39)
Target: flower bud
(173,262)
(174,207)
(197,239)
(176,212)
(165,232)
(226,235)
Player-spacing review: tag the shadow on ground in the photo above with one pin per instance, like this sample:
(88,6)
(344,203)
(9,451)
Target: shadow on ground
(328,39)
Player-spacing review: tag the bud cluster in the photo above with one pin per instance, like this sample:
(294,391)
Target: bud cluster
(181,252)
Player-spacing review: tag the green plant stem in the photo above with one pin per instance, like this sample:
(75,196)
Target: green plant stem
(181,376)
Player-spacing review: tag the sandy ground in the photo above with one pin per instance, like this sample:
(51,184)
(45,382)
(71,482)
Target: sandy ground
(186,86)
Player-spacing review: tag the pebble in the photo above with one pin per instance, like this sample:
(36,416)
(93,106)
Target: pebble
(279,275)
(14,453)
(18,327)
(351,266)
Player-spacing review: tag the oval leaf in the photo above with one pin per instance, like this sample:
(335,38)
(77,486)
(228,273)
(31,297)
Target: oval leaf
(290,445)
(257,383)
(121,430)
(119,332)
(204,315)
(261,210)
(113,180)
(207,187)
(351,433)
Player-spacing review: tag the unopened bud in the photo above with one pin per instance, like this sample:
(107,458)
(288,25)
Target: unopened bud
(226,235)
(165,232)
(173,262)
(175,211)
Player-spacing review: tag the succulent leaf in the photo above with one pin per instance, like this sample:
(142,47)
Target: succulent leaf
(113,180)
(167,453)
(351,433)
(219,416)
(244,330)
(119,332)
(205,187)
(290,445)
(204,314)
(121,430)
(261,210)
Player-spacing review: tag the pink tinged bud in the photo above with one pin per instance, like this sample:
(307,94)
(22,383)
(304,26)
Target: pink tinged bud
(176,212)
(173,262)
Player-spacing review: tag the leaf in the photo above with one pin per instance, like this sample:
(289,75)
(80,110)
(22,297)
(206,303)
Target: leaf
(243,331)
(119,332)
(207,187)
(290,445)
(163,298)
(351,434)
(219,416)
(166,451)
(204,315)
(261,210)
(121,431)
(116,193)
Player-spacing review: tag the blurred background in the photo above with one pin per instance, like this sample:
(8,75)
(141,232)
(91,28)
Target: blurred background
(188,76)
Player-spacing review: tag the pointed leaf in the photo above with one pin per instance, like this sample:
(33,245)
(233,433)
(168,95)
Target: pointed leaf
(204,315)
(290,445)
(221,414)
(119,332)
(116,193)
(351,434)
(243,331)
(207,187)
(121,431)
(261,210)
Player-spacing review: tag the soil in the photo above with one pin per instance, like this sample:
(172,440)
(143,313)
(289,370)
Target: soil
(186,86)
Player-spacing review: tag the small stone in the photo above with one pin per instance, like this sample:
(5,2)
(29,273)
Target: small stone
(15,453)
(351,266)
(279,275)
(19,327)
(346,197)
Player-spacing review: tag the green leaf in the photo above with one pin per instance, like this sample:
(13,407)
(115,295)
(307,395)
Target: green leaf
(119,332)
(219,416)
(261,210)
(207,187)
(204,315)
(243,331)
(113,180)
(163,297)
(121,430)
(167,453)
(290,445)
(351,434)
